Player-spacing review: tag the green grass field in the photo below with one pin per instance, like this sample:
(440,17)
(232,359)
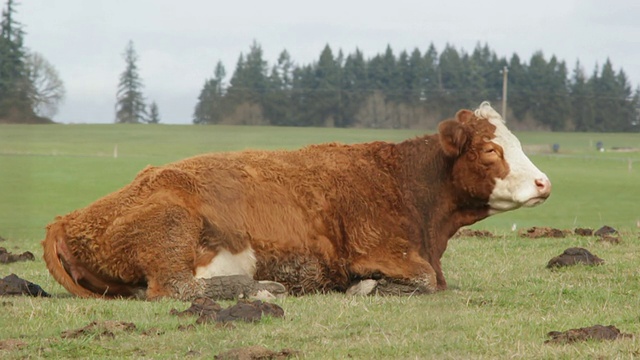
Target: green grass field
(501,303)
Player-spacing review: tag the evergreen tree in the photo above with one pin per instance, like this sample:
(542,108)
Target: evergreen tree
(209,109)
(278,105)
(581,101)
(607,109)
(451,76)
(628,104)
(414,76)
(130,102)
(247,89)
(519,87)
(354,87)
(431,81)
(326,89)
(14,82)
(154,114)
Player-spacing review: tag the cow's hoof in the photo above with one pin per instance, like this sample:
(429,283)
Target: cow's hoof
(269,290)
(364,287)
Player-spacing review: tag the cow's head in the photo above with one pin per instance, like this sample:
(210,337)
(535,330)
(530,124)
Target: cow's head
(489,164)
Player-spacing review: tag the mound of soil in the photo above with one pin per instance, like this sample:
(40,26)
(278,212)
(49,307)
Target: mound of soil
(12,344)
(199,307)
(609,239)
(605,230)
(583,232)
(256,352)
(573,256)
(13,285)
(542,232)
(595,332)
(7,257)
(100,329)
(209,311)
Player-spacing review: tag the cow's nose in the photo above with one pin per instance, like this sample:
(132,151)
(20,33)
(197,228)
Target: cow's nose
(544,186)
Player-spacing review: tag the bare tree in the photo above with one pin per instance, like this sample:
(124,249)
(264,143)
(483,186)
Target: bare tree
(47,90)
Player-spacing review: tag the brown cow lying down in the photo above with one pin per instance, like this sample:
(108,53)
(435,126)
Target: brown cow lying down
(323,218)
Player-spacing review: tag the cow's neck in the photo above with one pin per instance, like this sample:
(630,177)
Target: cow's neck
(427,173)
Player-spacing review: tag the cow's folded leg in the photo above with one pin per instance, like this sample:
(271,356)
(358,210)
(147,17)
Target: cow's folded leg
(241,286)
(397,287)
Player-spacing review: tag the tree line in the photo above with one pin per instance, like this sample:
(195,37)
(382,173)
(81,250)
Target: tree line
(413,89)
(416,89)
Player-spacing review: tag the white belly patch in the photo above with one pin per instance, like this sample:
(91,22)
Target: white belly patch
(226,263)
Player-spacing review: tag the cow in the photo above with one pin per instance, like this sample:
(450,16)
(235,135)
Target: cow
(331,217)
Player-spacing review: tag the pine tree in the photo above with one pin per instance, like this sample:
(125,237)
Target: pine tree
(14,82)
(354,87)
(451,76)
(581,101)
(130,102)
(154,114)
(278,106)
(210,106)
(326,89)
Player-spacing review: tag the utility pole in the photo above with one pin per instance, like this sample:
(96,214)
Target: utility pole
(505,71)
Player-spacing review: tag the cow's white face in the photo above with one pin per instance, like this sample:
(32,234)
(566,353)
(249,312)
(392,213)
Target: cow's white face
(524,185)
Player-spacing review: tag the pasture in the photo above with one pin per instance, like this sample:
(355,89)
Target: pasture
(501,302)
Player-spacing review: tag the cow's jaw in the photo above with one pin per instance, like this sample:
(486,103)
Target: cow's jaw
(525,185)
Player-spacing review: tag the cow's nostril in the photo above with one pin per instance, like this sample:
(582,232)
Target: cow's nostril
(544,186)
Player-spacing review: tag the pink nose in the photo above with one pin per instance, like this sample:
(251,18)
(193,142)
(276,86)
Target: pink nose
(544,187)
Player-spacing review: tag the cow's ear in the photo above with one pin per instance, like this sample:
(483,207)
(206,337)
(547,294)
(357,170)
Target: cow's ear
(453,137)
(464,116)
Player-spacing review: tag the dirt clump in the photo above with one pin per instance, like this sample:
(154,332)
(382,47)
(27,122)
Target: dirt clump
(609,239)
(14,285)
(200,306)
(12,344)
(474,233)
(605,230)
(583,231)
(7,257)
(100,329)
(542,232)
(208,311)
(595,332)
(574,256)
(255,352)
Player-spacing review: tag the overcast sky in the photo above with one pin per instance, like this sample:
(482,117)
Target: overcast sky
(179,42)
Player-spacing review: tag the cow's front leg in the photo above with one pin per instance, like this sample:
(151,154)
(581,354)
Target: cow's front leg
(409,275)
(394,287)
(232,287)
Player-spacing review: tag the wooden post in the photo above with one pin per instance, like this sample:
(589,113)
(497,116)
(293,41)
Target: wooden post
(505,70)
